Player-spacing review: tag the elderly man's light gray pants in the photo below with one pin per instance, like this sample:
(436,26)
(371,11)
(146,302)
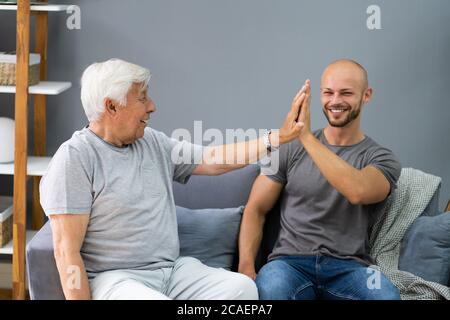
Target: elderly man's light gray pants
(188,279)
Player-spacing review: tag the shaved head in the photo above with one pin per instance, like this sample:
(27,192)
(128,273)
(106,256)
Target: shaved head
(350,67)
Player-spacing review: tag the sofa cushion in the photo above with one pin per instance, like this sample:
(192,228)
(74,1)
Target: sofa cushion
(425,249)
(209,235)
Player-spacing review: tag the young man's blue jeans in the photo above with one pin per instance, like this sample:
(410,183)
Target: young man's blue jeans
(322,277)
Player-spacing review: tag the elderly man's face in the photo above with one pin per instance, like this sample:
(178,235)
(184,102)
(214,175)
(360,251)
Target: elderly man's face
(132,119)
(343,93)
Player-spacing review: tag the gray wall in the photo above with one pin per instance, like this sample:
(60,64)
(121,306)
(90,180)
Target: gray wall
(237,64)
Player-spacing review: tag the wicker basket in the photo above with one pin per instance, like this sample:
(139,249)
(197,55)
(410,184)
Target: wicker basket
(6,220)
(8,69)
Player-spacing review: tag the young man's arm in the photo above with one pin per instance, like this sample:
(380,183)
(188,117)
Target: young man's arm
(263,197)
(221,159)
(68,232)
(365,186)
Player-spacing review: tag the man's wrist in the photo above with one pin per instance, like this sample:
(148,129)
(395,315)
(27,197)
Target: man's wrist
(246,264)
(271,140)
(275,139)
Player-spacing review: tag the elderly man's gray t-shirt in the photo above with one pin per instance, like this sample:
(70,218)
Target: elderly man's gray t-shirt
(126,191)
(315,217)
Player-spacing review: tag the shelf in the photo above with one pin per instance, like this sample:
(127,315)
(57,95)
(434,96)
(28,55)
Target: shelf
(8,248)
(43,87)
(37,7)
(37,166)
(34,166)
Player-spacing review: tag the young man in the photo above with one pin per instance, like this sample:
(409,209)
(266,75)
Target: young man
(332,180)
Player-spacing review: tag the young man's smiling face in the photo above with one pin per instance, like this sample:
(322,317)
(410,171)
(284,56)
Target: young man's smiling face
(344,90)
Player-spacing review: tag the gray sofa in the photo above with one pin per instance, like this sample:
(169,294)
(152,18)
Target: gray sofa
(226,191)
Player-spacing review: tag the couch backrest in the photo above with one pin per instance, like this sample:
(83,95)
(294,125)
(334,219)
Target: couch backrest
(226,191)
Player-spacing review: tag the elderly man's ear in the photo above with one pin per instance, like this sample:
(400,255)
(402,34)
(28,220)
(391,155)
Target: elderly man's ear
(111,107)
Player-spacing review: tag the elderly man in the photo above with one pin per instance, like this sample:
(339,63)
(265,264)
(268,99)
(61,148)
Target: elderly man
(108,193)
(332,179)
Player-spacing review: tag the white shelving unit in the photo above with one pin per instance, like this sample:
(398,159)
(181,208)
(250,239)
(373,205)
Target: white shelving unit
(26,165)
(43,87)
(36,167)
(37,7)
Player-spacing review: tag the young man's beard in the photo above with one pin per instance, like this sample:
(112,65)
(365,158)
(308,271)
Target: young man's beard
(352,115)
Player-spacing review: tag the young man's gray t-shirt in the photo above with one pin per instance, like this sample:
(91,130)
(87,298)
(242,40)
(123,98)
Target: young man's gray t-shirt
(127,193)
(315,217)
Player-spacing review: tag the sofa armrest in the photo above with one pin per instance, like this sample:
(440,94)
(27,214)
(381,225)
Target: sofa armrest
(43,276)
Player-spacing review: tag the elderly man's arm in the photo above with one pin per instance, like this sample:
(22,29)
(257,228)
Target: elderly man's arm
(221,159)
(69,231)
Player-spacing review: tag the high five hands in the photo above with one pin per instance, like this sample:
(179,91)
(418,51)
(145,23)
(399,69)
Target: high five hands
(297,122)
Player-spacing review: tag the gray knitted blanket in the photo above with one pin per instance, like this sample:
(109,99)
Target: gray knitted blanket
(414,191)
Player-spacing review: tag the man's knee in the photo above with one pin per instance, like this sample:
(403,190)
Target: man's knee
(119,285)
(268,280)
(386,291)
(273,281)
(242,287)
(381,294)
(108,284)
(374,286)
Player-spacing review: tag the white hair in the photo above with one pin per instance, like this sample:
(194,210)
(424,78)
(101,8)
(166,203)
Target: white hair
(110,79)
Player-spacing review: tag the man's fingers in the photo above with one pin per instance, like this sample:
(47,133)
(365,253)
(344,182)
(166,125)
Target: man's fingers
(307,102)
(304,108)
(298,97)
(302,90)
(306,89)
(307,85)
(296,106)
(299,101)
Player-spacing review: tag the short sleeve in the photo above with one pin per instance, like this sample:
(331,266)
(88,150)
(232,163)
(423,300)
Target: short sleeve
(384,160)
(184,156)
(66,188)
(275,165)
